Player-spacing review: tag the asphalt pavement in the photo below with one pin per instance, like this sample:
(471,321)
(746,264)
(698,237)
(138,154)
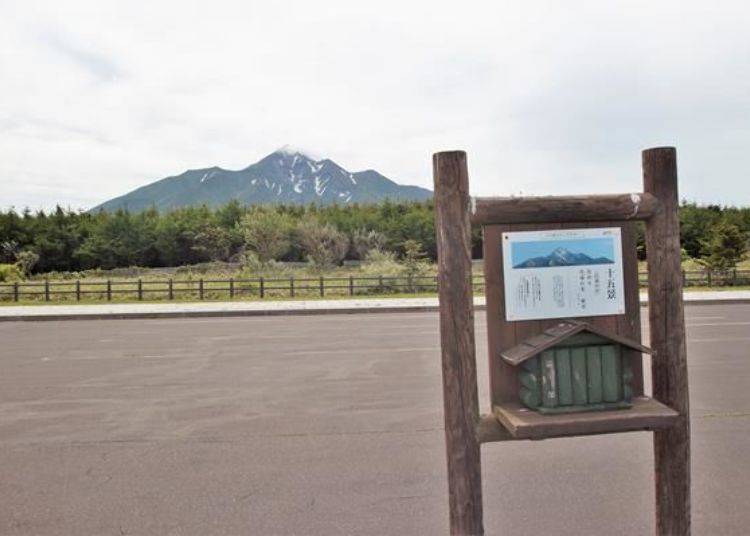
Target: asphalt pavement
(322,425)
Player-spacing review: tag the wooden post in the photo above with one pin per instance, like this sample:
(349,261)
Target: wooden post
(322,287)
(78,290)
(109,290)
(171,290)
(200,288)
(46,290)
(667,327)
(460,398)
(262,287)
(231,287)
(291,286)
(140,290)
(15,291)
(351,285)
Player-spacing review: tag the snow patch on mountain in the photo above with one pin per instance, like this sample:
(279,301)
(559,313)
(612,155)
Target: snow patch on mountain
(208,176)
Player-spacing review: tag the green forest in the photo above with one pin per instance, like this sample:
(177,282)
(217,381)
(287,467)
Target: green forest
(65,240)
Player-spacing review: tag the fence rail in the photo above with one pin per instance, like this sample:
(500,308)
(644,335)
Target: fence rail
(276,287)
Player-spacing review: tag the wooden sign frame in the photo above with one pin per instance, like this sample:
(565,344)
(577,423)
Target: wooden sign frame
(667,415)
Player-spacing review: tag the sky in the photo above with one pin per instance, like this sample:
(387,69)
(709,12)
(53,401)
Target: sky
(547,98)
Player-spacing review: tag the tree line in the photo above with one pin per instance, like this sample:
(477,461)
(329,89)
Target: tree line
(67,240)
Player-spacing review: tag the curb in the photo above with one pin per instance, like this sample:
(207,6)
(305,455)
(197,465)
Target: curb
(225,314)
(711,301)
(140,315)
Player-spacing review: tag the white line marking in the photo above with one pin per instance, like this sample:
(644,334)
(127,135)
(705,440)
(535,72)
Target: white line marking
(719,324)
(723,339)
(355,351)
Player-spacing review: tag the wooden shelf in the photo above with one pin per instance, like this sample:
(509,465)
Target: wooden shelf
(523,423)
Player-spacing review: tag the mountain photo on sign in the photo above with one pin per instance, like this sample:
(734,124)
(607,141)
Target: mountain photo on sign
(573,252)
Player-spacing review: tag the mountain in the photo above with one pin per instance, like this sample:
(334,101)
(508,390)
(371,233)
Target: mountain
(562,257)
(284,176)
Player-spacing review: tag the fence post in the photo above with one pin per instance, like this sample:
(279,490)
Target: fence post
(380,283)
(109,290)
(708,275)
(734,277)
(667,328)
(171,290)
(200,288)
(322,287)
(262,287)
(15,291)
(460,396)
(291,286)
(231,287)
(46,290)
(140,290)
(351,285)
(78,290)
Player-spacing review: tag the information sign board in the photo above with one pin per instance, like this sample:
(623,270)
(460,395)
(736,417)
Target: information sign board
(563,273)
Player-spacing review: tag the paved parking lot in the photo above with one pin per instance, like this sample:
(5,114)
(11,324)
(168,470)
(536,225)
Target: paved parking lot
(321,425)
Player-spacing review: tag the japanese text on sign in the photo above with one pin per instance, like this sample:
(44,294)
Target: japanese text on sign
(563,273)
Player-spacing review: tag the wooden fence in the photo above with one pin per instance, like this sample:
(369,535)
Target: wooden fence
(217,289)
(261,288)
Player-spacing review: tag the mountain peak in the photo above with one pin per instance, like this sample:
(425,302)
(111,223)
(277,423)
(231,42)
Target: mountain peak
(291,150)
(561,252)
(289,175)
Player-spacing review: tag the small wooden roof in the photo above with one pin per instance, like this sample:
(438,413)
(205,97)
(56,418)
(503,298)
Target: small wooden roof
(558,333)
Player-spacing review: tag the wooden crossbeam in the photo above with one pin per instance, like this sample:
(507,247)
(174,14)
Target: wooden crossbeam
(560,209)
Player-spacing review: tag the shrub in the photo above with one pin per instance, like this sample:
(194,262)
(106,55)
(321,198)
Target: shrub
(379,262)
(383,263)
(26,260)
(324,245)
(364,241)
(415,265)
(9,272)
(252,267)
(266,232)
(725,248)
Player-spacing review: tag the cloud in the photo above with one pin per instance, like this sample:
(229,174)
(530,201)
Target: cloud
(546,97)
(91,61)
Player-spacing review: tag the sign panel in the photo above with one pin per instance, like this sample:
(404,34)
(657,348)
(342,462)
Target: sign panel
(563,273)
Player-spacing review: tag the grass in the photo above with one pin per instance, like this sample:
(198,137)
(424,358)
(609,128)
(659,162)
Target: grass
(186,284)
(306,297)
(189,290)
(692,265)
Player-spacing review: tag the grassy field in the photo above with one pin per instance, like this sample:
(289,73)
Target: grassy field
(692,265)
(221,282)
(309,296)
